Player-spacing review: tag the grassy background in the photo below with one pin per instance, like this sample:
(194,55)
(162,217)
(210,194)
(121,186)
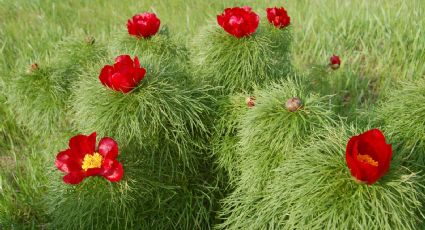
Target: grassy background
(382,41)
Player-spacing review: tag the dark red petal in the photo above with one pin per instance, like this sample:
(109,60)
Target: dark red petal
(108,148)
(374,134)
(220,20)
(116,173)
(351,157)
(108,165)
(271,14)
(122,82)
(131,27)
(370,174)
(124,60)
(67,161)
(105,75)
(82,144)
(352,146)
(152,27)
(336,61)
(73,177)
(136,63)
(93,172)
(354,168)
(139,74)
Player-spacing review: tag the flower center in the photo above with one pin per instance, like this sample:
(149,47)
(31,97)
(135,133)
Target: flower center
(92,161)
(367,159)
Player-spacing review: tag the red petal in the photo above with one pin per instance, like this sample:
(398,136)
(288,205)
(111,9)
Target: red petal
(220,20)
(105,75)
(122,82)
(116,173)
(370,174)
(108,165)
(93,172)
(374,134)
(108,148)
(247,8)
(67,161)
(351,157)
(131,28)
(355,170)
(139,74)
(82,144)
(136,63)
(271,14)
(73,177)
(123,60)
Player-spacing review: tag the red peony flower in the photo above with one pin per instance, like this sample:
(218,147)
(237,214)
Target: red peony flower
(278,17)
(239,21)
(368,156)
(124,75)
(82,159)
(335,62)
(143,25)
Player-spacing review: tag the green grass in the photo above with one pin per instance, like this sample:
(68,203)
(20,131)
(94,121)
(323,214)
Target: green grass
(380,42)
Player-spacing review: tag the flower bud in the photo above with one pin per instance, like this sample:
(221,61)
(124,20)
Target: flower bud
(293,104)
(335,62)
(90,40)
(33,67)
(250,101)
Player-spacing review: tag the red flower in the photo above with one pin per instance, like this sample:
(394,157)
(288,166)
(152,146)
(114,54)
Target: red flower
(143,25)
(124,75)
(239,21)
(81,159)
(368,156)
(335,62)
(278,17)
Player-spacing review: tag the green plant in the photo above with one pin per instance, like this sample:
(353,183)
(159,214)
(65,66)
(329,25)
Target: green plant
(268,134)
(401,114)
(152,195)
(23,184)
(161,113)
(224,138)
(313,189)
(163,49)
(237,65)
(43,92)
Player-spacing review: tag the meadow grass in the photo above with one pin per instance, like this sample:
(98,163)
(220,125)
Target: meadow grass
(381,41)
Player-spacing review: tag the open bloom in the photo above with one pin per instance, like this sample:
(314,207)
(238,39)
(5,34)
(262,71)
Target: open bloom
(335,62)
(82,159)
(278,17)
(368,156)
(239,21)
(143,25)
(124,75)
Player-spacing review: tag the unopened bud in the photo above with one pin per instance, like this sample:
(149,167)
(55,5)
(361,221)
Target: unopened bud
(33,67)
(90,40)
(250,102)
(293,104)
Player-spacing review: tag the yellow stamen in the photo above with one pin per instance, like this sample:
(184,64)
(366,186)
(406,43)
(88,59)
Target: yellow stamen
(92,161)
(367,159)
